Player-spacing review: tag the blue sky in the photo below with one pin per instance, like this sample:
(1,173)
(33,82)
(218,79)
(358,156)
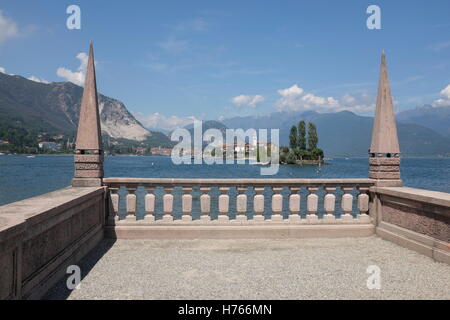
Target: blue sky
(213,59)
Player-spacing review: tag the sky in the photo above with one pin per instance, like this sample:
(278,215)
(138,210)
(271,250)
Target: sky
(173,61)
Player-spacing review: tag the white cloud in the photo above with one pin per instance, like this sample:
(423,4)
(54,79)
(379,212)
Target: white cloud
(76,77)
(296,99)
(36,79)
(348,99)
(173,45)
(196,25)
(32,78)
(161,122)
(249,101)
(3,70)
(8,28)
(440,45)
(446,92)
(445,100)
(293,91)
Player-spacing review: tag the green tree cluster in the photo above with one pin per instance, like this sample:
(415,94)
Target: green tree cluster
(302,147)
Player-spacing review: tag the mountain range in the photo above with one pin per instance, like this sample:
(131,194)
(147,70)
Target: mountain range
(436,118)
(54,108)
(347,134)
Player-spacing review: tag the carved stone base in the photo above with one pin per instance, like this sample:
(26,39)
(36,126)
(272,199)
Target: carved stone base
(86,182)
(384,168)
(88,166)
(389,183)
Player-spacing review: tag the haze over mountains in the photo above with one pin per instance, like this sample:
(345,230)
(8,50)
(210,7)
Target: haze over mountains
(347,134)
(436,118)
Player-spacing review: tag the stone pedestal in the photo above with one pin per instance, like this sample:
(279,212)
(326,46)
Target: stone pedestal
(88,170)
(386,170)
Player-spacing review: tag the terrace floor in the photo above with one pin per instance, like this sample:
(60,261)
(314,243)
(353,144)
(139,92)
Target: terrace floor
(256,269)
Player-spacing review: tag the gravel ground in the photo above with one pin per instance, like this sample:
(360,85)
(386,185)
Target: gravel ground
(256,269)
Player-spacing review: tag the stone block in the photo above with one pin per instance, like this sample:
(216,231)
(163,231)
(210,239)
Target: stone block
(241,203)
(186,204)
(258,203)
(384,175)
(224,201)
(329,202)
(347,202)
(149,202)
(205,203)
(89,173)
(86,182)
(312,218)
(294,203)
(88,158)
(312,203)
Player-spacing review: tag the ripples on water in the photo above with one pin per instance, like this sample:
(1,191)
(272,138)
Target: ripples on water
(22,177)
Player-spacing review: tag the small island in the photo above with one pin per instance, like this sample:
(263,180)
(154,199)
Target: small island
(302,150)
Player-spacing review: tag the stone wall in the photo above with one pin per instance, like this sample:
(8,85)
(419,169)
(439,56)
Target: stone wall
(415,218)
(41,236)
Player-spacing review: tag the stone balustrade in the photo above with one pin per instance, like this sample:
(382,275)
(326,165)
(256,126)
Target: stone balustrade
(311,201)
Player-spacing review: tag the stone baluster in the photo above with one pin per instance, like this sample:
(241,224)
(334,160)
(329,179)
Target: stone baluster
(258,204)
(168,204)
(131,203)
(363,202)
(149,201)
(224,204)
(277,204)
(347,203)
(114,209)
(312,204)
(329,203)
(205,204)
(186,200)
(294,204)
(241,204)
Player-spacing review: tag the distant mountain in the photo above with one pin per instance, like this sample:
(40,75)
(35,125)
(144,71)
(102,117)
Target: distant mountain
(347,134)
(435,118)
(54,108)
(206,125)
(209,124)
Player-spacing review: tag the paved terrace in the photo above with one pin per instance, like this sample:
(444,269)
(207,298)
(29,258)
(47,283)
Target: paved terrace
(256,269)
(40,237)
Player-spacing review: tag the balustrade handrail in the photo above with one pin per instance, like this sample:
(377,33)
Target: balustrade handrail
(259,182)
(242,198)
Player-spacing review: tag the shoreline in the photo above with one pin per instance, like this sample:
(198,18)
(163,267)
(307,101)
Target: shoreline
(323,162)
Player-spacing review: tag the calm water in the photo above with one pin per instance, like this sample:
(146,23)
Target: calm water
(22,177)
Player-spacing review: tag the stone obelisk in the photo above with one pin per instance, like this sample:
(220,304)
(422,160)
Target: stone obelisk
(384,161)
(89,149)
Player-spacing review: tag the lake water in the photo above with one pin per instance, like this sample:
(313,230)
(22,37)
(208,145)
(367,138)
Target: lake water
(22,177)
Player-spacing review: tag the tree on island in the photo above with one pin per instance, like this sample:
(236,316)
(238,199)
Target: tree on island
(297,145)
(293,138)
(302,135)
(313,140)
